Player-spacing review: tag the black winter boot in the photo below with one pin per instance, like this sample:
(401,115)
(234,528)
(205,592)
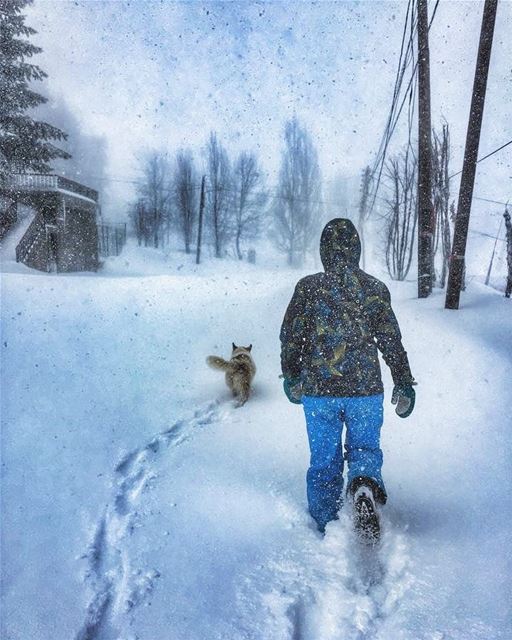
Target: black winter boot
(365,494)
(379,495)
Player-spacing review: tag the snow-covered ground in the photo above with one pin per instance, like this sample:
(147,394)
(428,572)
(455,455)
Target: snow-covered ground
(138,503)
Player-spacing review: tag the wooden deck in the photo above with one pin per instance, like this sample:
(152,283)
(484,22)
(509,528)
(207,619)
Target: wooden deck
(50,183)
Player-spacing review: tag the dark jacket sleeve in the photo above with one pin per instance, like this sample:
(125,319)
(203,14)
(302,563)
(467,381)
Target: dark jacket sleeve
(388,337)
(294,333)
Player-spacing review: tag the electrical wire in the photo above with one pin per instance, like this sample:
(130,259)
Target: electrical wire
(489,200)
(390,125)
(484,158)
(411,86)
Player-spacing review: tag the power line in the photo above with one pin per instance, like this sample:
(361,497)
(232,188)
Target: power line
(433,14)
(484,158)
(398,80)
(412,82)
(487,235)
(197,187)
(323,202)
(388,132)
(495,151)
(488,200)
(411,107)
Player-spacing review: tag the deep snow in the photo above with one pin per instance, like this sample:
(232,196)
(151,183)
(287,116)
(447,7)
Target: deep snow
(138,503)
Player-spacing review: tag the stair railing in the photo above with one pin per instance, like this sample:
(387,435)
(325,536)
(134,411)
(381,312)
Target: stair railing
(31,235)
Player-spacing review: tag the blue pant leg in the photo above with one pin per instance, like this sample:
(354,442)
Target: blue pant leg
(325,474)
(363,420)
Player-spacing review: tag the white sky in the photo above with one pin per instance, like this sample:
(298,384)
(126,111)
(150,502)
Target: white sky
(163,74)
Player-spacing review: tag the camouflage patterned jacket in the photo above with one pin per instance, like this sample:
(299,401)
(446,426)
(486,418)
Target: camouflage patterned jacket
(337,320)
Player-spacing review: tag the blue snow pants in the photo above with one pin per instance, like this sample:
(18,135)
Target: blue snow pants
(325,417)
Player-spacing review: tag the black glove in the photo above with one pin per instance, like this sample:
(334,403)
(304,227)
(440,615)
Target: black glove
(293,389)
(506,215)
(404,397)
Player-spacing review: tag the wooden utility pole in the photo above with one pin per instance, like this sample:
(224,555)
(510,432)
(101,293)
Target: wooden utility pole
(200,222)
(489,270)
(467,181)
(426,220)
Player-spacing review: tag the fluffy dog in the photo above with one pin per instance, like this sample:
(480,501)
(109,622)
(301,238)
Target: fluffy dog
(240,371)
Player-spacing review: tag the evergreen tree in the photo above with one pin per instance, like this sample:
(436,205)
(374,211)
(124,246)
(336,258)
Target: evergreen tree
(25,143)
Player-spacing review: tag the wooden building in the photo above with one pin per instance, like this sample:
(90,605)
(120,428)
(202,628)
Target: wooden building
(63,234)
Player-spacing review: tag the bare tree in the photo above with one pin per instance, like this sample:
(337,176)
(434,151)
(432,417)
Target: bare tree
(402,214)
(142,222)
(155,192)
(248,200)
(185,192)
(219,194)
(441,200)
(297,208)
(364,210)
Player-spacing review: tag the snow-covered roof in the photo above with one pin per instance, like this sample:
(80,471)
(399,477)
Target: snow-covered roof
(51,182)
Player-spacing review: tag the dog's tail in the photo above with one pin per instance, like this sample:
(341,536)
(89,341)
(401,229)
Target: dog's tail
(217,363)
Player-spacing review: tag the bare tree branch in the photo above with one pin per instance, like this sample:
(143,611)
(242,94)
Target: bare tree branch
(297,207)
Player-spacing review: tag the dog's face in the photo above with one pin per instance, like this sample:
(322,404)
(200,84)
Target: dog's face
(238,350)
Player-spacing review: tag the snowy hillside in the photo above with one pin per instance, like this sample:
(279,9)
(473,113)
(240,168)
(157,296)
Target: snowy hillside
(138,503)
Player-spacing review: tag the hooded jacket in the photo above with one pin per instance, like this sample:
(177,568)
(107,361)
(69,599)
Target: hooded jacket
(338,320)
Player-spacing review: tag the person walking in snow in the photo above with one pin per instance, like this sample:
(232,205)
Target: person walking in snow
(508,227)
(334,325)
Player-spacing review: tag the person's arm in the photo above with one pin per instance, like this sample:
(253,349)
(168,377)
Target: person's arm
(389,342)
(294,334)
(388,337)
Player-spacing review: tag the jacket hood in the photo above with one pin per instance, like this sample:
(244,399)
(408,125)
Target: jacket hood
(340,246)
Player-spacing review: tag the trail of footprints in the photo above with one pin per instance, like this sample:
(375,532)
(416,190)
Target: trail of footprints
(334,589)
(359,593)
(117,587)
(359,598)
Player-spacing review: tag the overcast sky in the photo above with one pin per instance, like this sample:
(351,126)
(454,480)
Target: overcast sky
(163,74)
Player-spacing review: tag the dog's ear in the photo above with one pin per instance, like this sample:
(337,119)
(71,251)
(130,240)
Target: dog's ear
(234,346)
(249,347)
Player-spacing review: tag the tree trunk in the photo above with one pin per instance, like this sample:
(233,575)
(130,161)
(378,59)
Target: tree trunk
(238,251)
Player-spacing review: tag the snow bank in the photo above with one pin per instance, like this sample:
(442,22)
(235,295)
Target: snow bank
(138,503)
